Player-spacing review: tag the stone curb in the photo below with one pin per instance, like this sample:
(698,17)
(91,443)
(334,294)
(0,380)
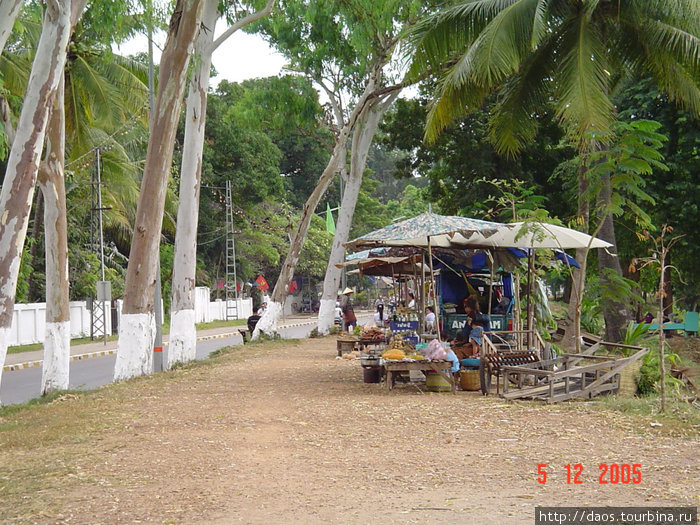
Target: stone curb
(101,353)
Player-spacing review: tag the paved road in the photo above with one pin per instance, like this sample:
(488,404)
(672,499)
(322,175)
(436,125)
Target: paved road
(20,386)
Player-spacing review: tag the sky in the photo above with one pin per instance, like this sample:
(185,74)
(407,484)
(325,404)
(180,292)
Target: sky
(240,57)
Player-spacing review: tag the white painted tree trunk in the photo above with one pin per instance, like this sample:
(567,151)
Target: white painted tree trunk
(362,140)
(9,9)
(183,332)
(135,331)
(183,335)
(23,161)
(55,366)
(135,344)
(52,183)
(268,322)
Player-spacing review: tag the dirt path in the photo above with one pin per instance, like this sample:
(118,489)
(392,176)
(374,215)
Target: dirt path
(292,435)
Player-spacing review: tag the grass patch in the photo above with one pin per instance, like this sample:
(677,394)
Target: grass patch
(18,349)
(221,323)
(679,416)
(61,395)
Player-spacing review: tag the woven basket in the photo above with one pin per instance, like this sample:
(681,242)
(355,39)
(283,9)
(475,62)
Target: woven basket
(469,380)
(628,379)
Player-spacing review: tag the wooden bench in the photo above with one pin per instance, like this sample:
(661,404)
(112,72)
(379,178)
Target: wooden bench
(496,361)
(689,324)
(563,378)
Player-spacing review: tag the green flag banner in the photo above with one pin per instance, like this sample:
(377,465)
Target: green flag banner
(330,224)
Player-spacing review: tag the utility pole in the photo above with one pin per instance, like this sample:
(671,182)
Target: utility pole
(157,295)
(98,311)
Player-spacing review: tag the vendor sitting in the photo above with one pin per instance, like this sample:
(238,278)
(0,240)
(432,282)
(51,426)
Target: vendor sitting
(452,358)
(475,320)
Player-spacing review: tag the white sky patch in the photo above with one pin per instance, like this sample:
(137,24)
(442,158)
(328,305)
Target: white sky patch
(240,57)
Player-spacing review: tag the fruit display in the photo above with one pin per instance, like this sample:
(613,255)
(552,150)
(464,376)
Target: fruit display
(372,333)
(394,355)
(397,343)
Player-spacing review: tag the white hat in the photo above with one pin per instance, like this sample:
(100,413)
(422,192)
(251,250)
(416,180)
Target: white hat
(348,290)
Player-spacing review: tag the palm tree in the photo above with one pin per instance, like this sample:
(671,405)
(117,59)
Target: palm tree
(104,97)
(568,53)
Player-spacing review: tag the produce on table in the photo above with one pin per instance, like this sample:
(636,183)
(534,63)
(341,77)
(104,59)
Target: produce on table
(372,332)
(397,343)
(394,354)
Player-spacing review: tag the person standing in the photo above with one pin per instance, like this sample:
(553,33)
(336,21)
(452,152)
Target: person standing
(429,319)
(349,318)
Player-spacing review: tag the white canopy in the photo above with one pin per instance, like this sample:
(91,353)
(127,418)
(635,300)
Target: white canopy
(533,235)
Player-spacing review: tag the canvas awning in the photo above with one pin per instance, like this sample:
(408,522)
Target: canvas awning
(533,235)
(423,230)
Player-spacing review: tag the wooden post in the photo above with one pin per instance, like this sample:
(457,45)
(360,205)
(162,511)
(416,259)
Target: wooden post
(432,284)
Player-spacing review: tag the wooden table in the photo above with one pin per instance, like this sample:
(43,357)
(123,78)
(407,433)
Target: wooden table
(441,367)
(345,345)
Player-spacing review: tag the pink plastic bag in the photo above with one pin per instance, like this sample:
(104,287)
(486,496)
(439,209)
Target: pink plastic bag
(435,351)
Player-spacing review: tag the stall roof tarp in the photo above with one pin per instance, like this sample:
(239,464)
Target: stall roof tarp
(439,230)
(387,266)
(533,235)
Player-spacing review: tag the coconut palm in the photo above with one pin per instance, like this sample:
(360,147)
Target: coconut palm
(568,53)
(102,102)
(571,53)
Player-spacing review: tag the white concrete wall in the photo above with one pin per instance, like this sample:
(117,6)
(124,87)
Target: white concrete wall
(29,322)
(206,310)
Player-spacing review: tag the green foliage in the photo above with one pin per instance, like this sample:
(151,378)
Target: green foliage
(650,376)
(634,333)
(572,54)
(633,153)
(591,319)
(462,160)
(675,191)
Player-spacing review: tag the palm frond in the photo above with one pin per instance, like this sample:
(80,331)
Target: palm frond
(680,84)
(438,38)
(449,105)
(683,14)
(670,54)
(514,121)
(503,44)
(582,79)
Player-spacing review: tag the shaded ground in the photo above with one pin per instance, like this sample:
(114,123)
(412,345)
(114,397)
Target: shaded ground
(285,433)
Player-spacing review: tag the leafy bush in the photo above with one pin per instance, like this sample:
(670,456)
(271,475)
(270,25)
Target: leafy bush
(649,374)
(591,320)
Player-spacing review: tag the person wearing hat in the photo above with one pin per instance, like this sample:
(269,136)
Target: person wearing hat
(349,318)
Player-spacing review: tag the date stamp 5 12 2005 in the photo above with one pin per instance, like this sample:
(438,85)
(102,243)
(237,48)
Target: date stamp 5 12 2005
(612,474)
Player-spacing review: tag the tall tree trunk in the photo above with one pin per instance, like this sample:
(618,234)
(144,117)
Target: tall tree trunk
(37,225)
(362,140)
(6,118)
(183,334)
(55,366)
(9,9)
(23,161)
(137,328)
(615,313)
(572,334)
(268,322)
